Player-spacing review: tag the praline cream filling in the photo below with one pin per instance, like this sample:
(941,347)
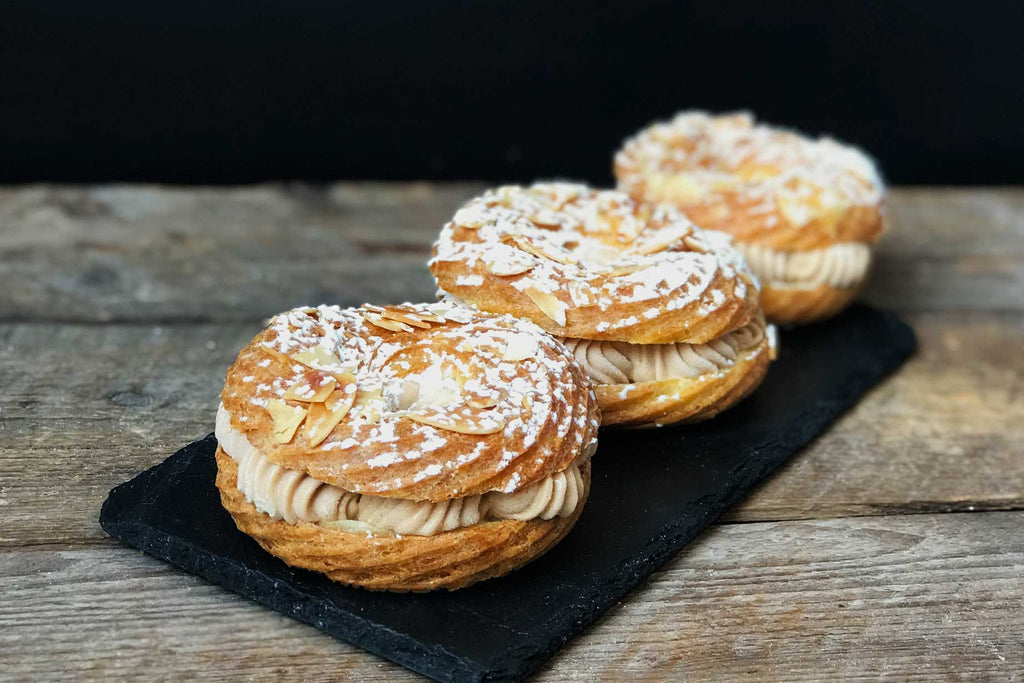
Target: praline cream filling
(841,265)
(612,362)
(294,496)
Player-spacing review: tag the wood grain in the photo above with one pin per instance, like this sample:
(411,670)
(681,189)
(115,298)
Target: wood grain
(85,407)
(162,254)
(924,597)
(951,249)
(121,308)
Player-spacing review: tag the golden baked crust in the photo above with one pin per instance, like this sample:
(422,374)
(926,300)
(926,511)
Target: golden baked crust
(794,305)
(761,184)
(594,264)
(524,409)
(450,560)
(668,401)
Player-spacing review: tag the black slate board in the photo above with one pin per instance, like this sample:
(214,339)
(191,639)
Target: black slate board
(653,492)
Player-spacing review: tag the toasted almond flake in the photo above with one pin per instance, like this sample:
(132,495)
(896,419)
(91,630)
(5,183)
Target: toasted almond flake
(527,406)
(548,303)
(287,419)
(373,308)
(520,347)
(511,266)
(478,399)
(314,387)
(404,315)
(662,239)
(468,218)
(694,244)
(324,417)
(367,404)
(627,269)
(345,380)
(474,423)
(546,219)
(392,325)
(544,250)
(318,357)
(564,198)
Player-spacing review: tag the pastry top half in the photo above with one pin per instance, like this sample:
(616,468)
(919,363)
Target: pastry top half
(424,402)
(594,264)
(763,184)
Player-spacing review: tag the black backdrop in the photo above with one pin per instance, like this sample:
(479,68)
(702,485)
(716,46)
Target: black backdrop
(499,89)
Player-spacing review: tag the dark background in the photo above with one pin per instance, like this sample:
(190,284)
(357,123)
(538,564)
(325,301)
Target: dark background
(228,92)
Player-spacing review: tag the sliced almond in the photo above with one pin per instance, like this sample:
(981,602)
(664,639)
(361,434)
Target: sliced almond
(404,315)
(527,408)
(548,304)
(628,226)
(520,347)
(694,244)
(431,318)
(544,250)
(324,417)
(314,387)
(463,422)
(287,419)
(627,269)
(546,219)
(318,357)
(485,399)
(367,404)
(469,217)
(662,240)
(345,380)
(516,265)
(393,325)
(562,198)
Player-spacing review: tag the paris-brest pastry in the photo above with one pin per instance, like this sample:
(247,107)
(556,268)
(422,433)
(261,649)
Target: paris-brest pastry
(664,316)
(400,448)
(803,211)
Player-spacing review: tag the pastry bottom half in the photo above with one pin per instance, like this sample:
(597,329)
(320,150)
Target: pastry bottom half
(449,560)
(668,401)
(790,305)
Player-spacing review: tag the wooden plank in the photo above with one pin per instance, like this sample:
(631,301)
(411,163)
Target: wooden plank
(162,254)
(945,433)
(85,407)
(923,597)
(154,253)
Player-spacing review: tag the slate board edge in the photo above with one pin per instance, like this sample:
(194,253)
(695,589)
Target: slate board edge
(364,633)
(904,344)
(517,665)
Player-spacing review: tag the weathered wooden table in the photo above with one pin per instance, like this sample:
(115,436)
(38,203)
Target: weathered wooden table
(893,546)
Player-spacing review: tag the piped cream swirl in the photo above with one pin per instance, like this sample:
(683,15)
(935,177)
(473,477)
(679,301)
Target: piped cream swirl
(841,265)
(609,362)
(294,496)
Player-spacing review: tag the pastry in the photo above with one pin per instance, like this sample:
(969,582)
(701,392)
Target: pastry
(804,212)
(405,448)
(664,316)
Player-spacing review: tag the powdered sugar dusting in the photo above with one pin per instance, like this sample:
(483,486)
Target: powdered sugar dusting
(583,248)
(461,366)
(701,157)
